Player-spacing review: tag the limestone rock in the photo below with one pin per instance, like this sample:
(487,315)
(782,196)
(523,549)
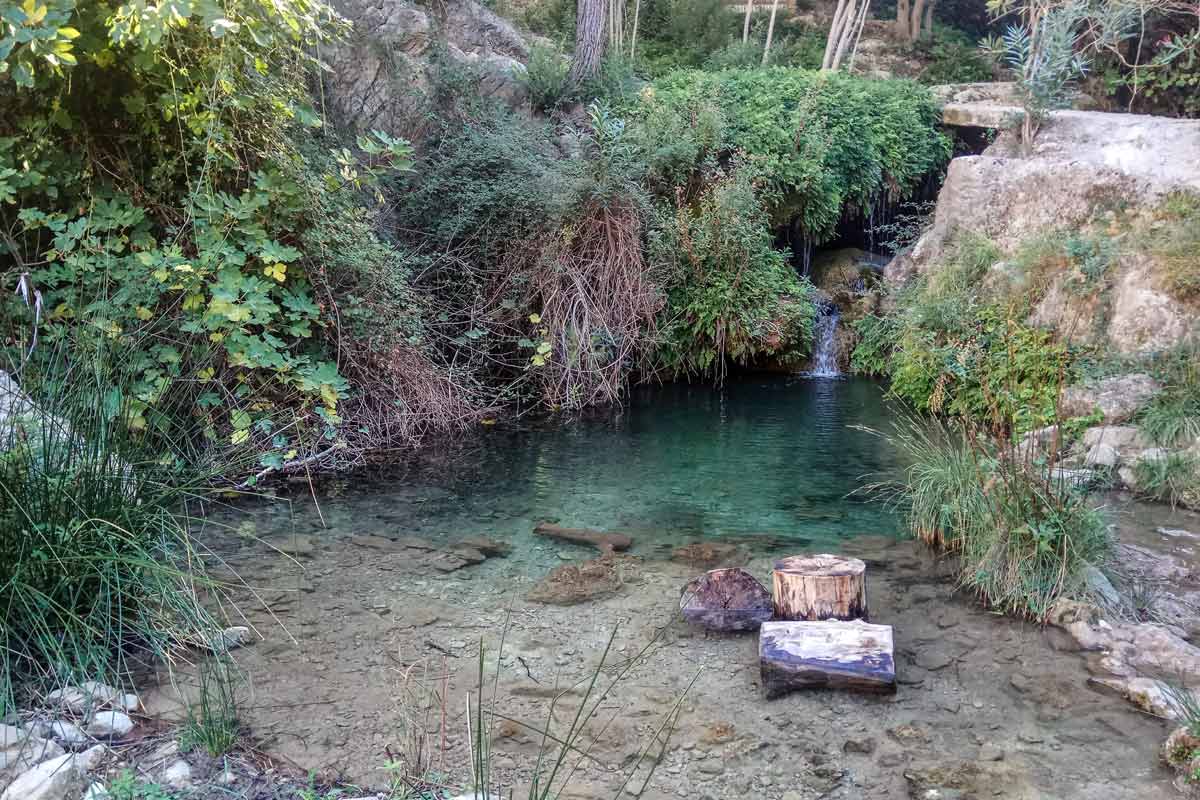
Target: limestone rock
(178,774)
(24,751)
(109,725)
(1117,398)
(67,734)
(61,778)
(230,638)
(1079,161)
(382,75)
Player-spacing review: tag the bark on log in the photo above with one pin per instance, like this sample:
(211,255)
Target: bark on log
(820,587)
(726,600)
(606,541)
(826,655)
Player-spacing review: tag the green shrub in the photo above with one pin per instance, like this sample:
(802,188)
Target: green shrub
(823,142)
(554,19)
(1172,418)
(952,58)
(732,296)
(876,335)
(1172,478)
(548,78)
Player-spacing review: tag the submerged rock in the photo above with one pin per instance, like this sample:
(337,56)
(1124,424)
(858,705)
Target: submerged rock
(605,541)
(726,600)
(705,554)
(577,583)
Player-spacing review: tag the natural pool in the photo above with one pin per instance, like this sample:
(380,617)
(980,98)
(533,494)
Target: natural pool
(364,644)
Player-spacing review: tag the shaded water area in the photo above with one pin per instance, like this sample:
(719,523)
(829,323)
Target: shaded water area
(369,641)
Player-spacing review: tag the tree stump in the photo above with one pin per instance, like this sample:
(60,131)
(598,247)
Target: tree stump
(820,587)
(726,600)
(827,655)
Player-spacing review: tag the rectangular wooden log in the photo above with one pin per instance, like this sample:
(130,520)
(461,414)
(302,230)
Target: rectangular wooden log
(826,655)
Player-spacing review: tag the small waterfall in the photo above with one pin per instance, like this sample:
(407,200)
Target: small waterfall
(825,344)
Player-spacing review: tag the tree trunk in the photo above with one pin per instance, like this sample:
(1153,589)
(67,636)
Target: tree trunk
(820,587)
(826,655)
(770,31)
(927,20)
(903,17)
(858,29)
(605,540)
(589,40)
(746,21)
(849,22)
(637,7)
(915,19)
(835,34)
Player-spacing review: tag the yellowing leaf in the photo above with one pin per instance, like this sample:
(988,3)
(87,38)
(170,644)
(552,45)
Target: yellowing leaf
(289,455)
(329,395)
(488,421)
(276,271)
(193,301)
(143,313)
(161,275)
(68,33)
(216,337)
(239,436)
(535,318)
(205,374)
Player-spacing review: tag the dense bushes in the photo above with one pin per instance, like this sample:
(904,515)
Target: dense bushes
(733,297)
(955,349)
(823,142)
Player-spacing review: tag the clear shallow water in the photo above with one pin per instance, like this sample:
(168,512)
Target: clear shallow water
(768,459)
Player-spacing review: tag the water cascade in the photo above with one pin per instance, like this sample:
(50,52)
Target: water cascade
(825,345)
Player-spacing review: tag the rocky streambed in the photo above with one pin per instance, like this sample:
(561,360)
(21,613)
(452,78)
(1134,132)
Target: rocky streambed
(368,656)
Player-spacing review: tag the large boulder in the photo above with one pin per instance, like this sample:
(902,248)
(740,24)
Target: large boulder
(1117,398)
(1081,165)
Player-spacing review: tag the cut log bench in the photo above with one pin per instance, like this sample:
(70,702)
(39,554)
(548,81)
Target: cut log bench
(820,587)
(826,655)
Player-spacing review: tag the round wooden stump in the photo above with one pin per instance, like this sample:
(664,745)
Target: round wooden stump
(820,587)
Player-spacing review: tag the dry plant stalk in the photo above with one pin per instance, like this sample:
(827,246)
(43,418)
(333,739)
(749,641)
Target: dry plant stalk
(599,305)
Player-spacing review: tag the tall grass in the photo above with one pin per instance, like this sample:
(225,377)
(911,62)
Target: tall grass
(1022,532)
(98,570)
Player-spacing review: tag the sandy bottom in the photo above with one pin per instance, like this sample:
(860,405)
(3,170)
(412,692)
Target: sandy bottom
(368,657)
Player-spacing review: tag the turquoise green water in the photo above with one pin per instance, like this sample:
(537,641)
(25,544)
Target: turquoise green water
(765,459)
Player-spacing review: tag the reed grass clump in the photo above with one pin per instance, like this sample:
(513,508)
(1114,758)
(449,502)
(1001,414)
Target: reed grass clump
(98,570)
(1022,530)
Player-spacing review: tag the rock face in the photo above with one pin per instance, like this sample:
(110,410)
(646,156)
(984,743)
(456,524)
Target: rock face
(1116,398)
(1080,164)
(381,75)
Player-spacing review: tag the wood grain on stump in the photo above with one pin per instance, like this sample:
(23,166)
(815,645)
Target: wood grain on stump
(832,654)
(820,587)
(726,600)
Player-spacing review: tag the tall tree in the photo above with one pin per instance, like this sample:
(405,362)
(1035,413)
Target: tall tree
(590,19)
(746,21)
(848,21)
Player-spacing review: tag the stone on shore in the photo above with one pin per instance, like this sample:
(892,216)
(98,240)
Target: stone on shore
(61,778)
(109,725)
